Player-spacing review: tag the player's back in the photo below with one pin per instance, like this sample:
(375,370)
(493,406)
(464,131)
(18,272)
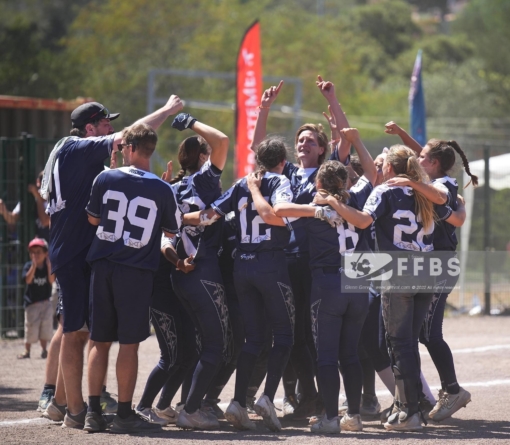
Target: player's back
(78,162)
(133,206)
(253,234)
(397,226)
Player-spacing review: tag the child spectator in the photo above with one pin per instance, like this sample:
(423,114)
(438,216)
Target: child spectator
(38,308)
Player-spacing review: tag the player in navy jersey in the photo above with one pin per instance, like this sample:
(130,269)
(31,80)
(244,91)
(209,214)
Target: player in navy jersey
(437,158)
(202,159)
(130,207)
(311,149)
(404,221)
(338,316)
(176,338)
(260,276)
(70,170)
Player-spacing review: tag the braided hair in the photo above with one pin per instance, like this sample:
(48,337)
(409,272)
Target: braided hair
(444,152)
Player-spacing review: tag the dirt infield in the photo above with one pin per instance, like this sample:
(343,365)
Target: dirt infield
(481,349)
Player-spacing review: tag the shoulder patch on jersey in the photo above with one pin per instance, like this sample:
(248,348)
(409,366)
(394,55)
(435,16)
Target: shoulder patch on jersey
(446,179)
(375,197)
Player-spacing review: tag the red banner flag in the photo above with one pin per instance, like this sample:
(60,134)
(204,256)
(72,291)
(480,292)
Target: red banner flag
(249,91)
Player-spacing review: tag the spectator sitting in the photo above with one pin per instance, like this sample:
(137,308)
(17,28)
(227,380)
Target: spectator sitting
(38,308)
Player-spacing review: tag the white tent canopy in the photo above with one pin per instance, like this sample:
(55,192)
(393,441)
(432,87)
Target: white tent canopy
(499,175)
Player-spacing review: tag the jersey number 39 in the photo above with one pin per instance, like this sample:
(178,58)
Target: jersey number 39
(128,209)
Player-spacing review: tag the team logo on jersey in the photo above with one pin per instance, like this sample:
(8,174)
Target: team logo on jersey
(284,195)
(288,298)
(166,325)
(247,256)
(216,292)
(373,200)
(314,309)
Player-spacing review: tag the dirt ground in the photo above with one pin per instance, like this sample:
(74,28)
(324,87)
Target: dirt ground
(481,349)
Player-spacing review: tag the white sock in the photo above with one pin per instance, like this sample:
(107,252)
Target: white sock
(426,390)
(387,377)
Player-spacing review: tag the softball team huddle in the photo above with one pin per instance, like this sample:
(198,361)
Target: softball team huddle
(252,282)
(277,284)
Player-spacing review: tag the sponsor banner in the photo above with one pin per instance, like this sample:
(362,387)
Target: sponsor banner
(249,92)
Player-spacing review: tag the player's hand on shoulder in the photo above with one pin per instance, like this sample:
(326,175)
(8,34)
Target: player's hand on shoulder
(322,198)
(254,180)
(399,181)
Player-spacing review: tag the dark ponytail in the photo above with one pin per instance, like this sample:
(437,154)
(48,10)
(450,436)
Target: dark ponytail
(444,152)
(189,155)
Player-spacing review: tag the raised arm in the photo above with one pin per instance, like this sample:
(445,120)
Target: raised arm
(365,159)
(217,140)
(266,101)
(327,89)
(393,128)
(156,119)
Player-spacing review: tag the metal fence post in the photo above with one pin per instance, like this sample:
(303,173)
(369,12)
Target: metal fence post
(487,228)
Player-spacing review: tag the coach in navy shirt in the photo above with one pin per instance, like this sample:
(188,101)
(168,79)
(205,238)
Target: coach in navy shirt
(70,170)
(130,207)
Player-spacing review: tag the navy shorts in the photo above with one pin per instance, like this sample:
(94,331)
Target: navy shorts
(74,281)
(120,299)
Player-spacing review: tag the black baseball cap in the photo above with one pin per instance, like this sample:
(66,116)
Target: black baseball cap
(90,112)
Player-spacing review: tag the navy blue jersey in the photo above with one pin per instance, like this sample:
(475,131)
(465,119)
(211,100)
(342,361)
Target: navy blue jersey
(302,183)
(444,233)
(358,196)
(253,234)
(396,225)
(133,206)
(77,163)
(229,246)
(327,244)
(197,192)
